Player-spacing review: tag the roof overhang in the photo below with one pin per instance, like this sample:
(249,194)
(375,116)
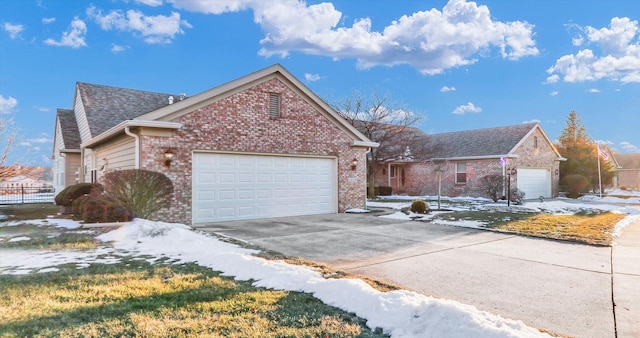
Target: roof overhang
(73,151)
(120,129)
(484,157)
(366,144)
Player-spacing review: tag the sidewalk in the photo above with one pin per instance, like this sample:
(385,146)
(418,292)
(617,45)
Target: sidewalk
(626,281)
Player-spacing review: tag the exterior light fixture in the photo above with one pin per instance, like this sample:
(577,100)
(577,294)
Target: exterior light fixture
(168,157)
(354,163)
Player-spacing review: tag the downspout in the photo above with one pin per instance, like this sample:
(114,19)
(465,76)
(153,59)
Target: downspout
(137,146)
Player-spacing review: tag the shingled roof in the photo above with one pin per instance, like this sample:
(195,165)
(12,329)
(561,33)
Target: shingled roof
(628,161)
(106,106)
(69,127)
(477,143)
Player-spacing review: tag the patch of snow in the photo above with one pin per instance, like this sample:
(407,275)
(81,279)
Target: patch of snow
(462,223)
(356,211)
(45,270)
(19,239)
(624,223)
(390,205)
(64,223)
(17,261)
(399,313)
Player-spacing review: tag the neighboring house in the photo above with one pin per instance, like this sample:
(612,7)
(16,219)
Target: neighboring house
(263,145)
(25,176)
(628,171)
(457,161)
(607,156)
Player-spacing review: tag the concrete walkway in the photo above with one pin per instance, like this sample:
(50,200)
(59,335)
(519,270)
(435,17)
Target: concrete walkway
(563,287)
(626,281)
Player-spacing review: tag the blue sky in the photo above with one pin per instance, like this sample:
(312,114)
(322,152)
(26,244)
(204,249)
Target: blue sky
(457,64)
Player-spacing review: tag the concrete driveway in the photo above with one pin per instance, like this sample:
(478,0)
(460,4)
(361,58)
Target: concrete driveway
(558,286)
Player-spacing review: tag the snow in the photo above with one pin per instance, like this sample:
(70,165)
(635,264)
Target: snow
(399,313)
(19,239)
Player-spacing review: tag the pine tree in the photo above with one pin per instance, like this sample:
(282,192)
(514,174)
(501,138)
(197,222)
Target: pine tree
(580,171)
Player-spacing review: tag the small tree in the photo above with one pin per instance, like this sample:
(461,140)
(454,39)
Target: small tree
(7,141)
(493,185)
(143,192)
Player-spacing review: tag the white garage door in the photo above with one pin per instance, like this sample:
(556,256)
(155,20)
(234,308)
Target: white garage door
(534,183)
(235,187)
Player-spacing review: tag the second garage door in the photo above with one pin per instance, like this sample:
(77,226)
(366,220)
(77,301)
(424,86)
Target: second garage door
(238,186)
(534,182)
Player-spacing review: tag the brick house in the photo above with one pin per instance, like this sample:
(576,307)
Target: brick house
(628,171)
(457,161)
(263,145)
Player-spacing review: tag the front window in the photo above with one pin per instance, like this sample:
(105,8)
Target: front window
(461,172)
(392,171)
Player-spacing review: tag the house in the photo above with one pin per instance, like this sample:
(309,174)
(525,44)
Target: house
(456,162)
(17,176)
(628,171)
(263,145)
(608,158)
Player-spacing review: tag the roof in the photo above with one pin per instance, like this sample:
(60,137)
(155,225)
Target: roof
(69,127)
(478,143)
(628,161)
(107,106)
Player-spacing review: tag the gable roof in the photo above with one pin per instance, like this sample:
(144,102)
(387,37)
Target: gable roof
(628,161)
(482,143)
(170,112)
(107,106)
(69,128)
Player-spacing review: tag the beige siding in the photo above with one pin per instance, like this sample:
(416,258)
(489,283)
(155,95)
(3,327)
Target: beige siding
(72,169)
(58,160)
(81,117)
(118,154)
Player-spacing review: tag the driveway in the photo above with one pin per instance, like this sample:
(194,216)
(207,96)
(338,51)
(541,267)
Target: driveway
(558,286)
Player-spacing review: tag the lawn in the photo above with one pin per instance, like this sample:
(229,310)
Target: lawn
(138,297)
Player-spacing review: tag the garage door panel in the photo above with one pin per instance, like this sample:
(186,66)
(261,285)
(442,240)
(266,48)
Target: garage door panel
(235,186)
(534,182)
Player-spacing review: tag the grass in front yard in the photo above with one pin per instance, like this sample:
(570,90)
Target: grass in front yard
(135,298)
(46,238)
(17,212)
(587,228)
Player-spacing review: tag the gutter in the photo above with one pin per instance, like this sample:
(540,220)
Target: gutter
(485,157)
(367,144)
(121,128)
(137,146)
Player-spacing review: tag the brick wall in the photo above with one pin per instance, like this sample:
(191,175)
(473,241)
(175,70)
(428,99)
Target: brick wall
(241,123)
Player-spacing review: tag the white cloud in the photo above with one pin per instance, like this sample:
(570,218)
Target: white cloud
(152,3)
(466,108)
(73,37)
(39,140)
(7,104)
(41,109)
(13,30)
(593,90)
(312,77)
(531,121)
(154,29)
(47,21)
(629,147)
(616,57)
(447,89)
(117,48)
(553,78)
(25,144)
(554,93)
(431,41)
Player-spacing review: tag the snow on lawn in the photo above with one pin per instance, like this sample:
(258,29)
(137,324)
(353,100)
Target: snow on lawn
(400,313)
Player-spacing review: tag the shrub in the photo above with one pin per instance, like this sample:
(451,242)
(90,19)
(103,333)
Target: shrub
(575,185)
(70,193)
(419,207)
(493,185)
(517,196)
(143,192)
(623,188)
(383,191)
(100,209)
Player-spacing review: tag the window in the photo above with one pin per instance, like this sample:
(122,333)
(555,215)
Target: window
(274,105)
(461,172)
(392,171)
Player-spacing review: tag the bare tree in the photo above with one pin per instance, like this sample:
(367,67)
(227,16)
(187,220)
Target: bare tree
(7,140)
(388,125)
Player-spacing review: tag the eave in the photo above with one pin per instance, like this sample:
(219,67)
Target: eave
(120,130)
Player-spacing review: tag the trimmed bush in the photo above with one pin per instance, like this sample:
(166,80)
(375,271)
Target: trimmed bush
(383,191)
(419,207)
(72,192)
(493,185)
(142,192)
(100,209)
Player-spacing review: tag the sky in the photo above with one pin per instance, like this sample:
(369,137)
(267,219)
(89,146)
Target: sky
(457,65)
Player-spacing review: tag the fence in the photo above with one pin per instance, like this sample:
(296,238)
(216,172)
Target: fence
(21,195)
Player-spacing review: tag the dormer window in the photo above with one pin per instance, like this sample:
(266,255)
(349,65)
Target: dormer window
(274,105)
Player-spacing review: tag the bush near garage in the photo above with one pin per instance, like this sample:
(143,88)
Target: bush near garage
(383,191)
(142,192)
(100,209)
(69,194)
(575,185)
(493,185)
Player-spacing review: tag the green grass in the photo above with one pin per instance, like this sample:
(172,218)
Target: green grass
(17,212)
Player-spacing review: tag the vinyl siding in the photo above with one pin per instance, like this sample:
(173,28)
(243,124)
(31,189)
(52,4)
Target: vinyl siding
(118,154)
(81,117)
(72,169)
